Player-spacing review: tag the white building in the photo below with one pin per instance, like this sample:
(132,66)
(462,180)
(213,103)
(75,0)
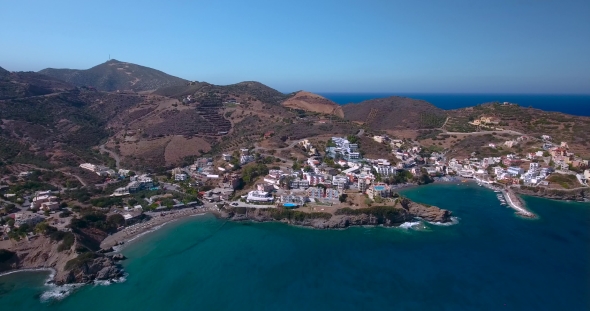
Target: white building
(180,177)
(259,197)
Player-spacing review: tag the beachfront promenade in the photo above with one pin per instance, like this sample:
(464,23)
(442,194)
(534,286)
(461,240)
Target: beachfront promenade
(158,219)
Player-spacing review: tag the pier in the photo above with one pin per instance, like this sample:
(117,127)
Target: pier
(514,202)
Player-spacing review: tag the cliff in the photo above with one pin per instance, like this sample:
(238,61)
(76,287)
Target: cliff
(343,218)
(579,194)
(69,266)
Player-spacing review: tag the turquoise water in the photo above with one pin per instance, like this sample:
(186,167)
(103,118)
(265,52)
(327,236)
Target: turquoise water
(290,205)
(490,260)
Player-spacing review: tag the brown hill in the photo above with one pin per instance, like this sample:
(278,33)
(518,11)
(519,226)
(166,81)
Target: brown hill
(25,84)
(115,75)
(247,90)
(395,113)
(314,103)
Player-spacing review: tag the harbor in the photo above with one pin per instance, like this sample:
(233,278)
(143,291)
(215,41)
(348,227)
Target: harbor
(507,197)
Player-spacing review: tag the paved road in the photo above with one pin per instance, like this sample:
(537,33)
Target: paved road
(484,132)
(113,155)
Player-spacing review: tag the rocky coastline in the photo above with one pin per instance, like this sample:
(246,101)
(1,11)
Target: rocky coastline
(69,266)
(578,195)
(389,216)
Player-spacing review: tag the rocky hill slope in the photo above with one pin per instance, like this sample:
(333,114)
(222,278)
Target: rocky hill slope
(312,102)
(26,84)
(243,91)
(395,113)
(115,75)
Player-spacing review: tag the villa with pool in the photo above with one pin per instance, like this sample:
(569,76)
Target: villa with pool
(379,190)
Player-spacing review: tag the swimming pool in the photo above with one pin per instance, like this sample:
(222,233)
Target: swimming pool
(290,205)
(379,188)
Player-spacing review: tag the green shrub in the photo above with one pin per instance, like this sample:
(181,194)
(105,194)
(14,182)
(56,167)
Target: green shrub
(80,261)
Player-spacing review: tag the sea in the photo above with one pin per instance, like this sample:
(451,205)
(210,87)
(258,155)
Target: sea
(575,104)
(488,259)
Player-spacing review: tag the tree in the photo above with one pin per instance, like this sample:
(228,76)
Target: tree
(342,198)
(116,219)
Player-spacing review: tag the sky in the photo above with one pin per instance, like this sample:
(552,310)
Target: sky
(451,46)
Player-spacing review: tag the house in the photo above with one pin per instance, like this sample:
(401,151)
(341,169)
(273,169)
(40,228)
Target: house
(299,183)
(259,197)
(246,159)
(515,170)
(379,139)
(49,206)
(533,166)
(332,194)
(24,174)
(379,190)
(430,170)
(510,143)
(315,192)
(264,187)
(40,199)
(180,177)
(385,170)
(340,182)
(226,157)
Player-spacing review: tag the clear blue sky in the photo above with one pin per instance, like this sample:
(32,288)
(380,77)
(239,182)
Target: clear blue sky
(499,46)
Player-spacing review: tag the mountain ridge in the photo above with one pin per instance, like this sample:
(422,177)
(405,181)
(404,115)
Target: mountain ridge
(115,75)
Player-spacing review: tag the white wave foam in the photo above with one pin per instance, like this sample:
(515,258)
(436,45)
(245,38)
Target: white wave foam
(60,292)
(454,221)
(410,224)
(112,281)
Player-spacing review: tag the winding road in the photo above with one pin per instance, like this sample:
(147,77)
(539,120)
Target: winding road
(113,155)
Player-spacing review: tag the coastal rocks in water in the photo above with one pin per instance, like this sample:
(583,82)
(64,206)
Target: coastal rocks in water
(118,257)
(84,269)
(428,213)
(343,218)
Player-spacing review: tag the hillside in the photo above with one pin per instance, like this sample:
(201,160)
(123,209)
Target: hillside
(26,84)
(115,75)
(530,121)
(314,103)
(395,113)
(243,91)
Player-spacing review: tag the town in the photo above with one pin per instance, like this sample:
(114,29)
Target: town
(337,176)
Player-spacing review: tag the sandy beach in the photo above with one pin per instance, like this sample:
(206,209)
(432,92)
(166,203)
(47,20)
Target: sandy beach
(158,219)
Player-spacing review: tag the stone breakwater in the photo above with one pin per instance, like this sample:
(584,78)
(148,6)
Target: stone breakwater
(374,216)
(516,203)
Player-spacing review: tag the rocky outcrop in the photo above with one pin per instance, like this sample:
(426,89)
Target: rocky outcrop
(69,266)
(100,268)
(343,218)
(428,213)
(579,194)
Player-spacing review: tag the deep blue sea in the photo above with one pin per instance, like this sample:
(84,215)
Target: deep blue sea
(490,260)
(571,104)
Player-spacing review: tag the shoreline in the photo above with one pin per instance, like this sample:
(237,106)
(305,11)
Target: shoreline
(158,220)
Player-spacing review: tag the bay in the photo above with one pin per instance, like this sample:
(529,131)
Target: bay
(491,259)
